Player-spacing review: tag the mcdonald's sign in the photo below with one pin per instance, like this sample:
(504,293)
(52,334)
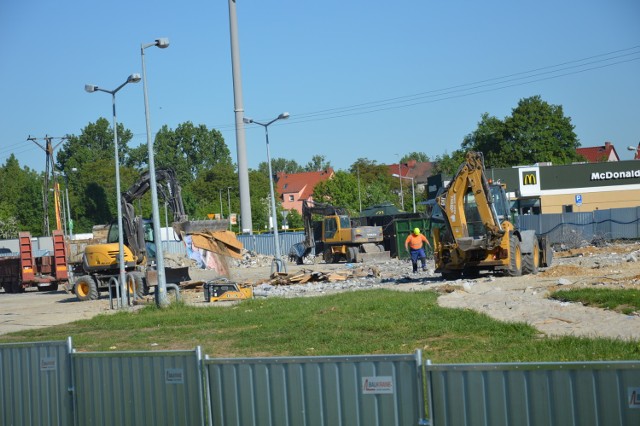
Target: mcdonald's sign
(529,181)
(529,178)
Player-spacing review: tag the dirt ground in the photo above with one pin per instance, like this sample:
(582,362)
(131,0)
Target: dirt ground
(521,299)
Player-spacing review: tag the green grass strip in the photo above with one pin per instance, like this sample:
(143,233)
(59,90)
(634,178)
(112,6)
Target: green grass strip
(352,323)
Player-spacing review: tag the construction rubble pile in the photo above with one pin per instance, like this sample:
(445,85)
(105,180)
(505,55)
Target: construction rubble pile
(308,282)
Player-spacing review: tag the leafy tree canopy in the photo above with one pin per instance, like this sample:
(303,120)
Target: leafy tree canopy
(280,165)
(188,149)
(317,163)
(20,199)
(420,157)
(535,132)
(94,143)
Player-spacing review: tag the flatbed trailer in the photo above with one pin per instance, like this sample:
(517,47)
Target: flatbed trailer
(19,271)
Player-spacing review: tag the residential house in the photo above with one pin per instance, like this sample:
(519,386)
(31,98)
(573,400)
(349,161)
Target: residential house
(412,169)
(293,188)
(599,154)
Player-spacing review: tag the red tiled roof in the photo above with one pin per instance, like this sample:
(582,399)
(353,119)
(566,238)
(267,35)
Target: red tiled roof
(296,182)
(412,169)
(598,154)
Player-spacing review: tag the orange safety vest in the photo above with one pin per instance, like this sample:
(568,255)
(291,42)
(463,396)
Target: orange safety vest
(415,241)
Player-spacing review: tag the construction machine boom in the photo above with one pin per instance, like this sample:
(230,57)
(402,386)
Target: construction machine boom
(478,233)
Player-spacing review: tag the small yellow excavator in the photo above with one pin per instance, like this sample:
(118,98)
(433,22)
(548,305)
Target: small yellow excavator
(100,261)
(478,233)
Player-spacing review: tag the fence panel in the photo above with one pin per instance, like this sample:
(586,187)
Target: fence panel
(617,223)
(35,379)
(138,388)
(322,391)
(590,393)
(265,243)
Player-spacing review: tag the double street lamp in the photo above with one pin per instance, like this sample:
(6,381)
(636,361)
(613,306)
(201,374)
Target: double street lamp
(133,78)
(161,298)
(277,261)
(413,192)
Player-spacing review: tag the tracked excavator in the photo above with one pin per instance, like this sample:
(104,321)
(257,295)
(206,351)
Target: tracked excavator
(100,264)
(339,240)
(478,232)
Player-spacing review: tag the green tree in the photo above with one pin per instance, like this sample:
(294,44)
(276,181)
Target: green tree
(260,192)
(317,163)
(448,164)
(94,143)
(210,187)
(280,165)
(535,132)
(420,157)
(294,219)
(20,199)
(377,186)
(188,149)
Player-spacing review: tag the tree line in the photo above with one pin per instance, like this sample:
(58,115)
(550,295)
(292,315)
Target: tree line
(535,132)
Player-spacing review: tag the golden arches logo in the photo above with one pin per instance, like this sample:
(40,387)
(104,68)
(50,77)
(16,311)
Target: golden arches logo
(529,179)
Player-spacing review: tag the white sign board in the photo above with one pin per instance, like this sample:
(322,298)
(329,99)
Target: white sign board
(377,384)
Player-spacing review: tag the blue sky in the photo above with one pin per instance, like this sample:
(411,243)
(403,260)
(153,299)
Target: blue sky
(361,79)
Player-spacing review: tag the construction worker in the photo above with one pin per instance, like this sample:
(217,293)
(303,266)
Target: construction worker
(414,244)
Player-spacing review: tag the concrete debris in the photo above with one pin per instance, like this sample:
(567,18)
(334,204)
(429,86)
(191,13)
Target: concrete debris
(304,276)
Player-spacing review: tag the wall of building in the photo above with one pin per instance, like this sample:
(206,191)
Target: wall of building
(600,200)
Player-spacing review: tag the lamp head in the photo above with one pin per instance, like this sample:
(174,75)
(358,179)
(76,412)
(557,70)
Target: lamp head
(632,148)
(283,116)
(162,43)
(246,120)
(90,88)
(134,78)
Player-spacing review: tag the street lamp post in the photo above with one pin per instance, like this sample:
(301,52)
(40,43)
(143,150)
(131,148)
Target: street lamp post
(277,261)
(133,78)
(229,201)
(413,192)
(221,212)
(161,299)
(400,176)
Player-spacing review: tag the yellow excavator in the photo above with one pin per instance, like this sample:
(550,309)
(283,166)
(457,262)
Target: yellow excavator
(338,240)
(478,232)
(100,261)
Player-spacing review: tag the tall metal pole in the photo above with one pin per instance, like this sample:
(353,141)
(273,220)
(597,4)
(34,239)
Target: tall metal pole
(161,299)
(243,170)
(277,260)
(133,78)
(229,201)
(221,212)
(413,195)
(401,194)
(123,281)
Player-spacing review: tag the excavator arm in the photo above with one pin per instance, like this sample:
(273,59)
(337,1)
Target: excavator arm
(470,180)
(168,189)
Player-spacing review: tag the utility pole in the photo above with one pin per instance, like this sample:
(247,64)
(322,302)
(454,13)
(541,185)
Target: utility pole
(48,148)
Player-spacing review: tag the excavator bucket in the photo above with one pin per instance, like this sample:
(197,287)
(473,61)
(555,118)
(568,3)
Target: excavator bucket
(372,253)
(194,226)
(172,276)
